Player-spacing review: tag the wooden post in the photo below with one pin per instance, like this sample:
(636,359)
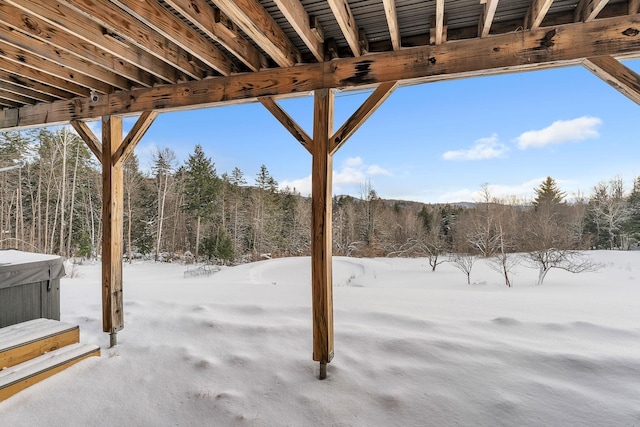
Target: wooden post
(112,220)
(321,275)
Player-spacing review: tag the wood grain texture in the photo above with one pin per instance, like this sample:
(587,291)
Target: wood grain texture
(321,246)
(527,50)
(31,350)
(112,220)
(618,76)
(347,24)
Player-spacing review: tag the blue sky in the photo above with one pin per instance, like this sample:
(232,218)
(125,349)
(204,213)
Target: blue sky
(435,142)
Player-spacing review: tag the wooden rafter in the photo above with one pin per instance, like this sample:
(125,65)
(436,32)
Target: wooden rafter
(536,13)
(88,137)
(16,97)
(288,122)
(392,22)
(486,19)
(133,31)
(542,48)
(298,17)
(38,29)
(38,20)
(440,27)
(622,78)
(587,10)
(62,58)
(43,78)
(160,19)
(201,14)
(8,101)
(347,23)
(357,119)
(24,58)
(634,6)
(254,20)
(30,84)
(24,91)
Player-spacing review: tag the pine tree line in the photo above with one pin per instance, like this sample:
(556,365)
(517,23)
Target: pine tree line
(50,186)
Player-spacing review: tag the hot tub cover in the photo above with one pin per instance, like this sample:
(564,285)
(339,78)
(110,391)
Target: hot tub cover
(18,267)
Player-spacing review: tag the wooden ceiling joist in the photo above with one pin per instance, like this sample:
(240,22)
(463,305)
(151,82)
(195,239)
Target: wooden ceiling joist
(440,26)
(256,22)
(201,14)
(588,10)
(622,78)
(392,22)
(30,84)
(64,59)
(37,29)
(634,6)
(43,78)
(347,23)
(542,48)
(155,16)
(536,13)
(486,19)
(24,91)
(133,31)
(307,30)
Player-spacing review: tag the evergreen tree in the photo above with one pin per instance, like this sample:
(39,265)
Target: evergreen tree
(200,188)
(548,195)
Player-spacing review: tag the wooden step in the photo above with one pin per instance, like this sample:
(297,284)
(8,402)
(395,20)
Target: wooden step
(27,340)
(17,378)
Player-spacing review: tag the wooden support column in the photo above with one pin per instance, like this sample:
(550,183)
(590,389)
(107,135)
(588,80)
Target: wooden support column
(321,251)
(112,153)
(112,234)
(322,147)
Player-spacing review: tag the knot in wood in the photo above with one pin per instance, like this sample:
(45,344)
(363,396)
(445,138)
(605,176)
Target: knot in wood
(30,25)
(631,32)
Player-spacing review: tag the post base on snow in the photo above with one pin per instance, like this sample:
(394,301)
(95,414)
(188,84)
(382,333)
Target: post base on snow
(323,371)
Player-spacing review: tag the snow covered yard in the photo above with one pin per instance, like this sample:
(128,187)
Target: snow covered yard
(412,348)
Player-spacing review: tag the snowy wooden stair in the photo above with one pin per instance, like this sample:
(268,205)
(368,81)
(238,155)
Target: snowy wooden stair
(34,350)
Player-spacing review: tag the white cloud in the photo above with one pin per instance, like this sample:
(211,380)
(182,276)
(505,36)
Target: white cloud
(353,173)
(522,192)
(561,131)
(482,149)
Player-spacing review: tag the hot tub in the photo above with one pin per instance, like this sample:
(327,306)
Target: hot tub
(29,286)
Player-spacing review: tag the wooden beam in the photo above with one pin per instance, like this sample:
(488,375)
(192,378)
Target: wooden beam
(346,21)
(439,36)
(24,91)
(19,99)
(486,17)
(536,13)
(298,17)
(258,24)
(112,226)
(129,28)
(357,119)
(45,79)
(52,55)
(155,16)
(134,136)
(288,122)
(52,21)
(24,58)
(321,246)
(634,6)
(36,86)
(204,16)
(622,78)
(38,29)
(392,22)
(587,10)
(527,50)
(88,137)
